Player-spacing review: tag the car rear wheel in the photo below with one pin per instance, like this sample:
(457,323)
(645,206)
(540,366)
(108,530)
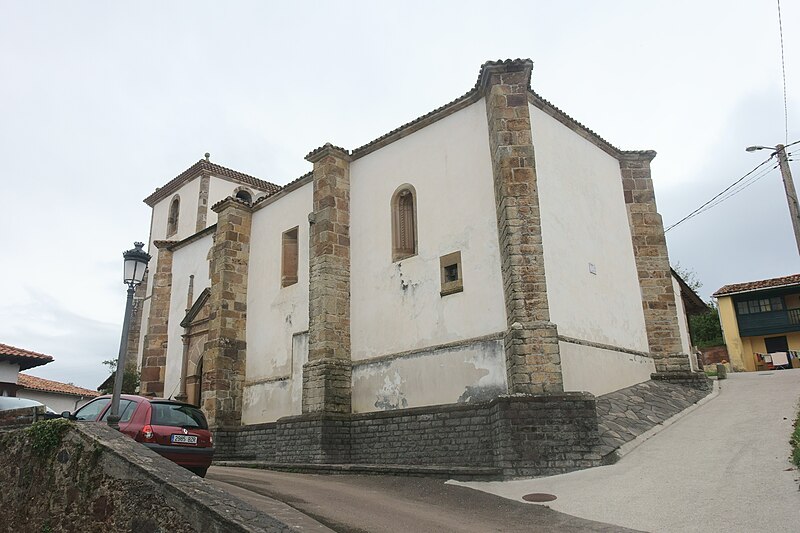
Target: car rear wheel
(199,471)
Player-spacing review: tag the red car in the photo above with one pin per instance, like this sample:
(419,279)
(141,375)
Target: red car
(175,430)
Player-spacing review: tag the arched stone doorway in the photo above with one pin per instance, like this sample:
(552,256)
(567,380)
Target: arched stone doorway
(195,336)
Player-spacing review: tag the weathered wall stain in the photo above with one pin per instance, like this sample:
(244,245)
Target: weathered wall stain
(468,373)
(391,396)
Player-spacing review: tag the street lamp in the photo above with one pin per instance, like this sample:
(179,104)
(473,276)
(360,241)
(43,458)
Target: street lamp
(788,186)
(135,265)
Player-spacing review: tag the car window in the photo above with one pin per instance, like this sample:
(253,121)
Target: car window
(126,409)
(171,414)
(91,409)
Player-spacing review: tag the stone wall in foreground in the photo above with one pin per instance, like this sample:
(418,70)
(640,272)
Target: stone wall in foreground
(98,480)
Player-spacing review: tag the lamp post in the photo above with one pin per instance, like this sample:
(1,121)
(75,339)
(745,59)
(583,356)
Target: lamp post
(788,185)
(135,265)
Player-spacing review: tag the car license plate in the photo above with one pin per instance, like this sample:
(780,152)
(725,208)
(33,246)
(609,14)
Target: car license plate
(184,439)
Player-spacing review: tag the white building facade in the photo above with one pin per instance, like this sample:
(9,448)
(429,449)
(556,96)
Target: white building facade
(494,246)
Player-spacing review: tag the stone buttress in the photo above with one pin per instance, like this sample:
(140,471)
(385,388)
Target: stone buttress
(655,277)
(224,354)
(533,361)
(327,375)
(154,355)
(321,434)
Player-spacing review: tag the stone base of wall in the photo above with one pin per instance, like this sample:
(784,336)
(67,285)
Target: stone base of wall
(327,386)
(696,380)
(522,435)
(313,438)
(256,443)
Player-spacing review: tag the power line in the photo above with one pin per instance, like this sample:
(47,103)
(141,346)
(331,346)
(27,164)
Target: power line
(738,189)
(783,70)
(718,195)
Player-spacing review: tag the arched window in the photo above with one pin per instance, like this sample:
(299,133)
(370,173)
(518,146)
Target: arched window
(404,223)
(172,219)
(245,195)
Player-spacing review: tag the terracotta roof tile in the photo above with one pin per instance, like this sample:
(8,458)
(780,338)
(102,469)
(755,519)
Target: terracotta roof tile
(212,168)
(749,286)
(34,383)
(25,358)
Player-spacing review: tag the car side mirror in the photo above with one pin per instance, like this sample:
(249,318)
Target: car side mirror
(66,414)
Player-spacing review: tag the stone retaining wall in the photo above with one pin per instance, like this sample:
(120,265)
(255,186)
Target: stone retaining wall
(523,435)
(98,480)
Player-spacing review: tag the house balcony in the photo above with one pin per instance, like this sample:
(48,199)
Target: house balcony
(769,323)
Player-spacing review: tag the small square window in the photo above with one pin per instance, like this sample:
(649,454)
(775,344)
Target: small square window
(743,308)
(776,303)
(452,280)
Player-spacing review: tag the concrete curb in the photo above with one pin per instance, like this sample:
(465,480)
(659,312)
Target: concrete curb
(472,473)
(631,445)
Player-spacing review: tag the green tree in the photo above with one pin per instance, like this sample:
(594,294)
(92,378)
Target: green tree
(705,328)
(689,276)
(130,379)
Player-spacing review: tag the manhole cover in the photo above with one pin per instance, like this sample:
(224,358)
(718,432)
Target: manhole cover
(539,497)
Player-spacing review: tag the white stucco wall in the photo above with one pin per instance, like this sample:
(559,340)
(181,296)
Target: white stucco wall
(275,314)
(269,400)
(584,221)
(683,323)
(396,306)
(218,190)
(8,372)
(599,371)
(55,401)
(187,215)
(187,223)
(592,284)
(186,261)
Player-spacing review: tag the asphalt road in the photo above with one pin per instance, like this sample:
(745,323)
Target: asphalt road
(723,467)
(347,503)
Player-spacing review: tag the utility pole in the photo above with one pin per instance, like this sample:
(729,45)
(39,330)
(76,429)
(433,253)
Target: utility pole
(791,194)
(788,185)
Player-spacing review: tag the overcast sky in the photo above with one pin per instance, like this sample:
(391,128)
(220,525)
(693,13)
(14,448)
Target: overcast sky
(102,102)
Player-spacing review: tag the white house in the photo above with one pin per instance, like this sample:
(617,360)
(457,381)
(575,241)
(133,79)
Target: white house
(56,395)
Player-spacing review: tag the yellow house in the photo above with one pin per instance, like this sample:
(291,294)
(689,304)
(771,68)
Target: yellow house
(760,317)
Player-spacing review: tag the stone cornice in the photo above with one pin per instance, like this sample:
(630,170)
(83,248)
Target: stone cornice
(229,202)
(418,123)
(601,346)
(305,179)
(195,309)
(636,155)
(160,244)
(491,68)
(204,167)
(191,238)
(429,350)
(326,150)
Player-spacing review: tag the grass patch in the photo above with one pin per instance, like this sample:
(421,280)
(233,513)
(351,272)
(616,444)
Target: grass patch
(795,442)
(45,435)
(711,373)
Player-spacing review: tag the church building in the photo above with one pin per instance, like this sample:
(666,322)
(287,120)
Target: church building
(455,292)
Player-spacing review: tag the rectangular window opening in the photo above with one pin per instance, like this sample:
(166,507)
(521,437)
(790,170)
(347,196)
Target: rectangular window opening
(289,257)
(452,273)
